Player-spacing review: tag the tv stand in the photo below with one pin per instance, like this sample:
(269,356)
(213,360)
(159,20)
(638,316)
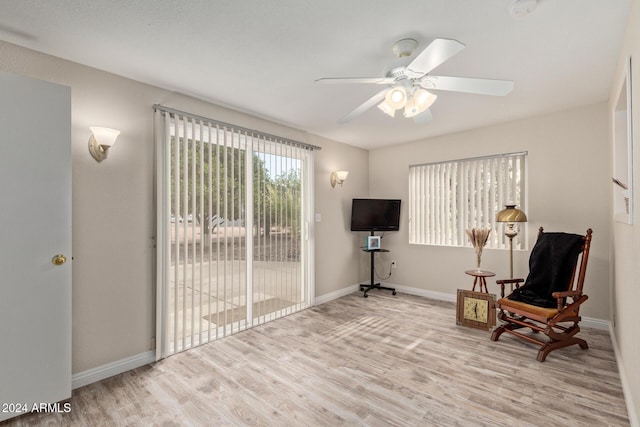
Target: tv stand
(372,285)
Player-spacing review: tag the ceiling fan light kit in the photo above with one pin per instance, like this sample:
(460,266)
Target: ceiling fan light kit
(407,84)
(417,101)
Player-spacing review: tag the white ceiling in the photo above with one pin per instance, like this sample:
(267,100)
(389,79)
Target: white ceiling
(262,56)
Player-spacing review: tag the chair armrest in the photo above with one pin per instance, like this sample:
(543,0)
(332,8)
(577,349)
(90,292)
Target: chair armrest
(570,311)
(503,282)
(565,294)
(560,296)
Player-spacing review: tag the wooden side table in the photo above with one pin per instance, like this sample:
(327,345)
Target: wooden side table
(480,277)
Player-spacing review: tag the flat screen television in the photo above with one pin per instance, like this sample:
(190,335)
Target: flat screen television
(375,215)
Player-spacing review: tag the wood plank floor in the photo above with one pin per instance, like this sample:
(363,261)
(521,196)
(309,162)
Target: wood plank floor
(384,360)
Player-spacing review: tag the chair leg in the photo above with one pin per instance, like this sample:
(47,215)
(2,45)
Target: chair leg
(554,345)
(564,337)
(561,336)
(497,332)
(506,327)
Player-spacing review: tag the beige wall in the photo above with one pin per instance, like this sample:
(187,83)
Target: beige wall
(336,246)
(625,247)
(113,207)
(568,190)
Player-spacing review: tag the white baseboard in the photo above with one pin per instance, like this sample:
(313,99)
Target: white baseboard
(591,322)
(631,410)
(440,296)
(91,376)
(336,294)
(587,322)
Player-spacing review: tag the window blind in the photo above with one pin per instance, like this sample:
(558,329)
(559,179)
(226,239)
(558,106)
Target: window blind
(446,198)
(232,207)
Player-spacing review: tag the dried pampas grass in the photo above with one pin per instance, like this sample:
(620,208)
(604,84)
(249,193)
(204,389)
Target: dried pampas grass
(478,238)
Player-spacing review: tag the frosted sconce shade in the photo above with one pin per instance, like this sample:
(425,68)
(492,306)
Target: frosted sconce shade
(101,140)
(338,177)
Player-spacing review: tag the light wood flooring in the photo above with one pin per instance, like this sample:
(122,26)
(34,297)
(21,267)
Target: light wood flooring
(384,360)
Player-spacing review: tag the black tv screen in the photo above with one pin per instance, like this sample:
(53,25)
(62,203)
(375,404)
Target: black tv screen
(375,215)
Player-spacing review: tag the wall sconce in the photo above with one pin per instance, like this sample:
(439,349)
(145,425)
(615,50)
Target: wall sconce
(100,141)
(338,177)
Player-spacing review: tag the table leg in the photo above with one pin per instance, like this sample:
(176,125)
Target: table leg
(483,282)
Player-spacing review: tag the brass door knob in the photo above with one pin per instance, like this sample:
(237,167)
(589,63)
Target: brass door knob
(59,259)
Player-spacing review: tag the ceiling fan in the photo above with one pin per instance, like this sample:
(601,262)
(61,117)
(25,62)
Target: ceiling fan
(409,86)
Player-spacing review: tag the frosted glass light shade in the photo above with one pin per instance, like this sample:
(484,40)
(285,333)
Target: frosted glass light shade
(387,109)
(419,102)
(396,97)
(100,141)
(105,137)
(342,175)
(338,177)
(424,98)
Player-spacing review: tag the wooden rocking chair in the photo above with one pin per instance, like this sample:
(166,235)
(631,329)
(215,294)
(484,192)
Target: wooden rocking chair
(554,261)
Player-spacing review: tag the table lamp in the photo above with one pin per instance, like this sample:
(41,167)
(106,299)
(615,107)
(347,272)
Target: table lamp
(511,215)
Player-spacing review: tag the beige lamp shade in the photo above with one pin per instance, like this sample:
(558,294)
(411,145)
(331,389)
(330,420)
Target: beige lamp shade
(511,214)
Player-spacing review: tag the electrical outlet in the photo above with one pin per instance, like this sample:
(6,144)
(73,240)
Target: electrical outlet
(394,265)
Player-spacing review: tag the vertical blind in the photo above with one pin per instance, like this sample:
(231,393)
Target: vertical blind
(446,198)
(232,205)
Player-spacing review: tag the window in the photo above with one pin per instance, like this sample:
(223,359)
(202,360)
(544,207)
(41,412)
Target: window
(446,198)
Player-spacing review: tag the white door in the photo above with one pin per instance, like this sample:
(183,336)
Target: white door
(35,226)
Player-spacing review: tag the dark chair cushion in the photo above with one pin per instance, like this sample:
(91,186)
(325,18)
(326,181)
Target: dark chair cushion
(551,266)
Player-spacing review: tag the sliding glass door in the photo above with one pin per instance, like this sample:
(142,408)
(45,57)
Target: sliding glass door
(233,247)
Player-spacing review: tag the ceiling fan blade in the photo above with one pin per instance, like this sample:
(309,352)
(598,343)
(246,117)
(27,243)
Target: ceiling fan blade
(468,85)
(343,80)
(435,54)
(423,117)
(378,97)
